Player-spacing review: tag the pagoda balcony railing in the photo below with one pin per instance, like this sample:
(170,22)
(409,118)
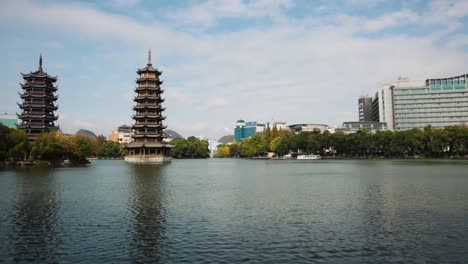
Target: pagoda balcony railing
(40,117)
(152,135)
(145,115)
(36,113)
(35,127)
(149,88)
(148,97)
(39,86)
(149,79)
(142,123)
(151,106)
(152,125)
(148,94)
(36,92)
(35,122)
(36,105)
(39,95)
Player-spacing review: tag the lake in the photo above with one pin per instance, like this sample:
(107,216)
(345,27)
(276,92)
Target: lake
(237,211)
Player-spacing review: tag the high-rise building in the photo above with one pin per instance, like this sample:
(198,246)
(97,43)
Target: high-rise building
(365,108)
(436,102)
(384,99)
(148,145)
(405,104)
(375,108)
(38,104)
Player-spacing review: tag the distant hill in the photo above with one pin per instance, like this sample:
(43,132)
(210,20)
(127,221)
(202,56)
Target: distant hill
(172,134)
(87,133)
(226,139)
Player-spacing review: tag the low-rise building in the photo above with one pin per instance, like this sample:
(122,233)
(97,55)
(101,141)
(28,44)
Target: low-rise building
(355,126)
(308,127)
(280,125)
(213,146)
(9,121)
(123,134)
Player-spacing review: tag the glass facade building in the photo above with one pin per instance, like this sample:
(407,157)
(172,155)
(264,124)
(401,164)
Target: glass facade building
(439,103)
(244,130)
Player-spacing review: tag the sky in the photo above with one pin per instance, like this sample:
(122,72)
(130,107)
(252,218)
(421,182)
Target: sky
(223,60)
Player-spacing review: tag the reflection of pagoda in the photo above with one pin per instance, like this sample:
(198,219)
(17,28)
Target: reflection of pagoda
(148,145)
(38,102)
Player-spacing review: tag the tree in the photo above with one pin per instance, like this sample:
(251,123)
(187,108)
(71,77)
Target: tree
(18,145)
(274,144)
(190,148)
(268,135)
(223,152)
(87,147)
(4,131)
(110,149)
(47,147)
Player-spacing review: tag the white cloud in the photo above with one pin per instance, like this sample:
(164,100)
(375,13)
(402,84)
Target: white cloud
(207,13)
(390,20)
(458,41)
(70,124)
(310,70)
(125,3)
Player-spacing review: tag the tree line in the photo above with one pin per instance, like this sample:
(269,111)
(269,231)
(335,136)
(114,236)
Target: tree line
(429,142)
(55,147)
(190,148)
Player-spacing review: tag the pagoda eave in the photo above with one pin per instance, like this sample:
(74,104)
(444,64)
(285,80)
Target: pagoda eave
(39,74)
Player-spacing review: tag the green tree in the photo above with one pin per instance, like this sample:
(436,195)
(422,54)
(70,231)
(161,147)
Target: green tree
(18,145)
(47,147)
(274,144)
(4,131)
(223,152)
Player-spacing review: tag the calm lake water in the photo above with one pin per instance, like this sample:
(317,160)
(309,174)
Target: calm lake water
(237,211)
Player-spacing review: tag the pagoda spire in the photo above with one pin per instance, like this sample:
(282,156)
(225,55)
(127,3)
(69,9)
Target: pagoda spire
(40,62)
(149,57)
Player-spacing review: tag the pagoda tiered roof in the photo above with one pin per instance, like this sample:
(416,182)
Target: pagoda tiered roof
(149,68)
(39,74)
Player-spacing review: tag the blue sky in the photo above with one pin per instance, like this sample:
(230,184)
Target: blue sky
(222,60)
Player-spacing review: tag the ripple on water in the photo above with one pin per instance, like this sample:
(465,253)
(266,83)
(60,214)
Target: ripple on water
(236,211)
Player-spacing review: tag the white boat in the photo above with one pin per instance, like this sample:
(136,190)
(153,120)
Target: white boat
(308,157)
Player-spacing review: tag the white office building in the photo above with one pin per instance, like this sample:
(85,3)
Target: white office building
(405,105)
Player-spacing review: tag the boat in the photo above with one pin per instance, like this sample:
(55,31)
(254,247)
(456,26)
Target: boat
(308,157)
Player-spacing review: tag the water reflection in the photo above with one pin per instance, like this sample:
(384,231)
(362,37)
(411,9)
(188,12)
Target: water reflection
(147,206)
(35,221)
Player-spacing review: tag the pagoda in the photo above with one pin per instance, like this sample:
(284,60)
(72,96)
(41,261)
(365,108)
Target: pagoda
(38,104)
(148,145)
